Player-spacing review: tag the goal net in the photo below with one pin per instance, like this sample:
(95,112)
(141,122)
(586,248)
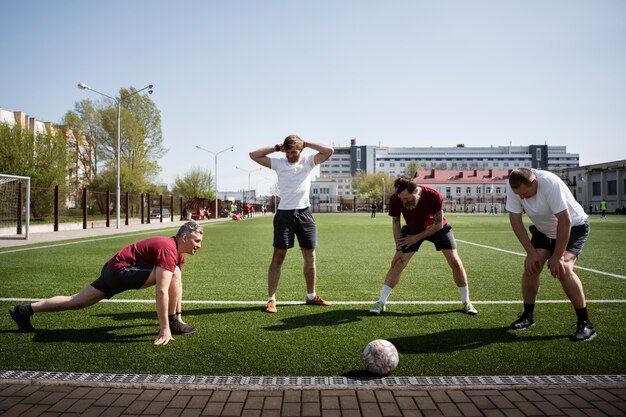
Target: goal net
(14,206)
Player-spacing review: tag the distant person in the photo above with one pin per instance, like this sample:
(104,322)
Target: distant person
(590,209)
(293,216)
(558,233)
(422,209)
(603,208)
(154,261)
(374,207)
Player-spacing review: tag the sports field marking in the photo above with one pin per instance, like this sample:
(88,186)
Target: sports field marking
(523,254)
(237,302)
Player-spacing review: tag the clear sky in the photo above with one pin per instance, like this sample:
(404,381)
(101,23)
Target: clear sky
(394,73)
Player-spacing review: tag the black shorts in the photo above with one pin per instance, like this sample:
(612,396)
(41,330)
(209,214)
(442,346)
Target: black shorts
(577,238)
(290,223)
(114,281)
(443,239)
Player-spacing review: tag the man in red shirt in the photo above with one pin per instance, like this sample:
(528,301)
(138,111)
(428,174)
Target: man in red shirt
(154,261)
(422,209)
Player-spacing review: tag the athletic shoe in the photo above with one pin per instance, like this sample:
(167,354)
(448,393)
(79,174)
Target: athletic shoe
(585,332)
(317,301)
(469,309)
(270,307)
(377,308)
(22,320)
(524,322)
(178,327)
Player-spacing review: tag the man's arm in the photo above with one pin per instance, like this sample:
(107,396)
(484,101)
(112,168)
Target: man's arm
(532,263)
(163,280)
(260,155)
(563,228)
(429,231)
(520,232)
(323,152)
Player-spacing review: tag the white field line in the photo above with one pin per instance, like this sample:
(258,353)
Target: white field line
(522,254)
(369,302)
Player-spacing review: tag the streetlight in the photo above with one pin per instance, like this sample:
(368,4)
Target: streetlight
(249,172)
(383,194)
(217,215)
(118,101)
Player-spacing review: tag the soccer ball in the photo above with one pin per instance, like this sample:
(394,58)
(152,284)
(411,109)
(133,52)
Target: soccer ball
(380,357)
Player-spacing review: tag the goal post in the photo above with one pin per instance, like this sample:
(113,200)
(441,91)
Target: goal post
(14,206)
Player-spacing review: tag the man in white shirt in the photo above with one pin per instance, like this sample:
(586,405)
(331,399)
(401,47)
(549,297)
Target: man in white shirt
(293,217)
(558,234)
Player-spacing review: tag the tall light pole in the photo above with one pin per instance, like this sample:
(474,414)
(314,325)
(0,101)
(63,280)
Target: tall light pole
(118,101)
(217,214)
(383,194)
(249,172)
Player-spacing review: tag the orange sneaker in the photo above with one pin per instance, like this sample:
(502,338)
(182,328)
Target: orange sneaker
(270,307)
(317,301)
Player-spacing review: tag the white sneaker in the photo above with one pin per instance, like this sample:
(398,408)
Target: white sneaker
(469,309)
(377,308)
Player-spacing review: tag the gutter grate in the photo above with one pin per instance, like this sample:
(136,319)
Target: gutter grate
(313,381)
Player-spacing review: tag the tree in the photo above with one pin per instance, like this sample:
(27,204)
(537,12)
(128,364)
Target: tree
(371,185)
(197,182)
(40,156)
(85,121)
(411,168)
(141,138)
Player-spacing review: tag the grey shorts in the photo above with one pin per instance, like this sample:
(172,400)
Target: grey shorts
(443,239)
(290,223)
(114,281)
(577,238)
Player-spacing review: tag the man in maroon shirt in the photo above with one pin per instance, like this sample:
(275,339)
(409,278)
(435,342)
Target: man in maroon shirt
(153,261)
(422,209)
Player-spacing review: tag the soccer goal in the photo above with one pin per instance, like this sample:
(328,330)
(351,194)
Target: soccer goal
(14,206)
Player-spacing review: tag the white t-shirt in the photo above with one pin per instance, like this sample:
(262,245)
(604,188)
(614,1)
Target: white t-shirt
(294,181)
(552,197)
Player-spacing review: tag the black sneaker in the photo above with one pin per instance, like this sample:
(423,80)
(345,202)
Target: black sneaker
(524,322)
(585,332)
(178,327)
(22,320)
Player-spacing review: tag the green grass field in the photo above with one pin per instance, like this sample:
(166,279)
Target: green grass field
(354,252)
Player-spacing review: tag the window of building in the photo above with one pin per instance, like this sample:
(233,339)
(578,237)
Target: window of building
(498,190)
(448,194)
(358,154)
(538,154)
(468,190)
(392,164)
(595,188)
(381,164)
(611,187)
(458,190)
(478,190)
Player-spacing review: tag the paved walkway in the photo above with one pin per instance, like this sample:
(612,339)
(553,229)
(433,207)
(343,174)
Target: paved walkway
(24,398)
(49,398)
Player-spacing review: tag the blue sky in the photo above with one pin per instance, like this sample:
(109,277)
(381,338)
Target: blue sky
(397,73)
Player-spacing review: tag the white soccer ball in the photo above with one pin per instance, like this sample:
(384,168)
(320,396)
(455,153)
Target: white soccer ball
(380,357)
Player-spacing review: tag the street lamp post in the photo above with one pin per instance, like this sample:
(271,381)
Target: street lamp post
(217,215)
(249,172)
(383,194)
(118,101)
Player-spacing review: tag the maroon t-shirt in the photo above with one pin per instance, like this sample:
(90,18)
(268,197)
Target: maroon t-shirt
(421,217)
(155,251)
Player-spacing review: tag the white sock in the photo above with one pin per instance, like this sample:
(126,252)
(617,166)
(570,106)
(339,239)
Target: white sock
(464,291)
(384,293)
(311,296)
(272,298)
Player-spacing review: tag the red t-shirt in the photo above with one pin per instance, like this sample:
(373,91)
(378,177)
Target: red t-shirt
(421,217)
(156,251)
